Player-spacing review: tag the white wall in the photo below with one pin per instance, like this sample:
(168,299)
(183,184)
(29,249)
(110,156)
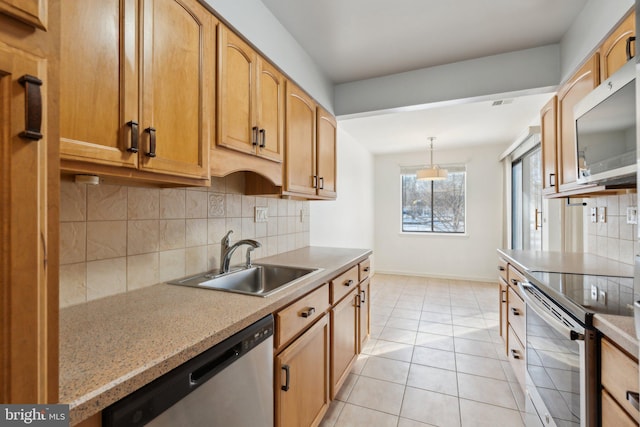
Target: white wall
(256,23)
(347,221)
(467,257)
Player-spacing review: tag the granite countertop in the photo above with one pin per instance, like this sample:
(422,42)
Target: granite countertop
(112,346)
(620,329)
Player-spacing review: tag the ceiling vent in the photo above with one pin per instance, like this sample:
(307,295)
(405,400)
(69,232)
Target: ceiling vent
(501,102)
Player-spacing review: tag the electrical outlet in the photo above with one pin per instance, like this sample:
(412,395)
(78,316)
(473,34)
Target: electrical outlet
(632,215)
(261,214)
(602,214)
(594,292)
(594,214)
(603,297)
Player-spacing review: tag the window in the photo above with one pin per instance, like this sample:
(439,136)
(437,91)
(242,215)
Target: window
(434,206)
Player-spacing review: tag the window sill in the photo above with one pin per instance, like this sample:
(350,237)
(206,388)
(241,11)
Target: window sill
(423,234)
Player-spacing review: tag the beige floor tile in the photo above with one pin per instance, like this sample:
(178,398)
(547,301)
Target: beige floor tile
(406,314)
(398,335)
(476,348)
(357,416)
(469,321)
(410,304)
(476,334)
(466,311)
(400,323)
(440,342)
(436,308)
(332,414)
(477,414)
(473,387)
(406,422)
(345,390)
(482,366)
(369,346)
(377,394)
(393,350)
(391,370)
(431,408)
(433,379)
(359,363)
(436,328)
(431,316)
(435,358)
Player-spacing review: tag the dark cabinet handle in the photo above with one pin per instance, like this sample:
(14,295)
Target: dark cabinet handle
(515,311)
(254,136)
(366,269)
(32,107)
(348,282)
(263,138)
(321,179)
(501,268)
(308,312)
(315,181)
(364,296)
(285,387)
(152,141)
(515,354)
(630,40)
(634,399)
(504,296)
(552,183)
(134,136)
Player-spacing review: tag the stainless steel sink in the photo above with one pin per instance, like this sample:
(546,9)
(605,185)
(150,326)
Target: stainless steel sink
(259,280)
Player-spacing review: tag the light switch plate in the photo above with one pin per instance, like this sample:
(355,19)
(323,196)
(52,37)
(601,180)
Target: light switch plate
(602,214)
(261,214)
(594,214)
(632,215)
(594,292)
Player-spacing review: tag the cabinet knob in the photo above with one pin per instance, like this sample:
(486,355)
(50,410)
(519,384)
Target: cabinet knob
(515,311)
(366,269)
(500,268)
(308,312)
(515,354)
(348,282)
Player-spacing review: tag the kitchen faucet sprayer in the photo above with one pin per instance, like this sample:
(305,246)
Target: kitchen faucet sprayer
(226,251)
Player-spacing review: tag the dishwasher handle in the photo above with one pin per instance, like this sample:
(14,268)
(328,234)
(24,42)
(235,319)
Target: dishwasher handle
(204,372)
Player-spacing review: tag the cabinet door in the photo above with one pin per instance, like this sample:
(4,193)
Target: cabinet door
(614,50)
(326,149)
(99,81)
(302,378)
(29,179)
(270,106)
(364,314)
(177,89)
(583,82)
(549,131)
(503,290)
(33,12)
(236,100)
(344,339)
(300,142)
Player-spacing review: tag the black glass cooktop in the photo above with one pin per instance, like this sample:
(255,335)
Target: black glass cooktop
(592,294)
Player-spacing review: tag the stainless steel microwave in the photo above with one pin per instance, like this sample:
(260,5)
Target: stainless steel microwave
(605,123)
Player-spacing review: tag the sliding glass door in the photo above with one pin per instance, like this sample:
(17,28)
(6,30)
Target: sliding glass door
(526,199)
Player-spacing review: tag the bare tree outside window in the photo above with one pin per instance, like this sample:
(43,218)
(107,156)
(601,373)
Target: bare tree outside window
(434,206)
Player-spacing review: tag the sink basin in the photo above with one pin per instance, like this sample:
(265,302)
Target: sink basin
(260,280)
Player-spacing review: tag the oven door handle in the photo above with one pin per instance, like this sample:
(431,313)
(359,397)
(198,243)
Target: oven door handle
(551,320)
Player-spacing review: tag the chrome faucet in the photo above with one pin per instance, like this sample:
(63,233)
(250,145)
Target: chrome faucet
(226,251)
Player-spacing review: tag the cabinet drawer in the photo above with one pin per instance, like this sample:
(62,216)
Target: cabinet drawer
(619,375)
(515,313)
(514,277)
(343,284)
(503,269)
(299,315)
(613,415)
(363,269)
(516,355)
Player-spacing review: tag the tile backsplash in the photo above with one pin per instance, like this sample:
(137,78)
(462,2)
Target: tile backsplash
(614,238)
(115,239)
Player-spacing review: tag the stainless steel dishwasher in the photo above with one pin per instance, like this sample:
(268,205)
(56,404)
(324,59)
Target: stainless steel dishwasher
(230,385)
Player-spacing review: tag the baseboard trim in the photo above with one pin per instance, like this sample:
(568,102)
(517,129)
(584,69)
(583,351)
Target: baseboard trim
(436,276)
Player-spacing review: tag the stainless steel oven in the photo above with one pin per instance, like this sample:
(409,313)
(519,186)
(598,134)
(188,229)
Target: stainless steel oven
(561,358)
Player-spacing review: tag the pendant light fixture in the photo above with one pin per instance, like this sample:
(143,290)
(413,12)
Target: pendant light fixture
(433,172)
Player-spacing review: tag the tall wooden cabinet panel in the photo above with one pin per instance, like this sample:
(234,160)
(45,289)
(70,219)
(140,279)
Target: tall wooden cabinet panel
(125,99)
(32,12)
(29,197)
(618,48)
(549,133)
(344,339)
(175,104)
(579,85)
(300,142)
(301,378)
(326,153)
(99,81)
(270,89)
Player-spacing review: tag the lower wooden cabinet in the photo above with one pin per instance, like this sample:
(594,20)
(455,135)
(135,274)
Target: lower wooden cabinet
(613,415)
(302,378)
(344,339)
(619,375)
(364,307)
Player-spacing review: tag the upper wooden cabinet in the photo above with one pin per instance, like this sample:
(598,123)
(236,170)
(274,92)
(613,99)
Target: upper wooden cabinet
(549,133)
(326,153)
(32,12)
(618,48)
(125,99)
(579,85)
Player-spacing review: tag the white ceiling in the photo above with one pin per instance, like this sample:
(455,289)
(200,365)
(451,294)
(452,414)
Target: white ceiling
(357,39)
